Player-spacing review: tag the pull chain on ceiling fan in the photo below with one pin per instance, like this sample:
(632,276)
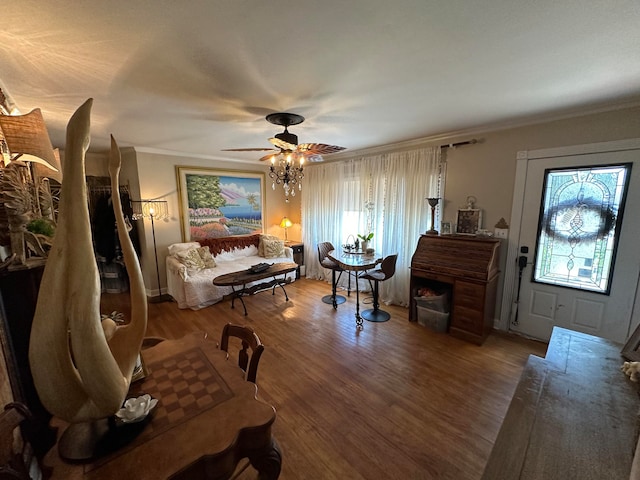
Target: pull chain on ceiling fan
(283,169)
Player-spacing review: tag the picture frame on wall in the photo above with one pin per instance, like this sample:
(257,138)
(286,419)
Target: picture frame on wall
(219,203)
(468,221)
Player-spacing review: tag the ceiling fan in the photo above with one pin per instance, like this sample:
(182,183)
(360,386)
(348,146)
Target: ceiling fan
(287,142)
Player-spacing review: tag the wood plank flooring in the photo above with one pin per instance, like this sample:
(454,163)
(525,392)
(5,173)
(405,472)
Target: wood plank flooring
(392,401)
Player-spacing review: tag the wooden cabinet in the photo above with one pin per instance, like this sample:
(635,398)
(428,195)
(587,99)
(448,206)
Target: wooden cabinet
(18,295)
(298,254)
(467,268)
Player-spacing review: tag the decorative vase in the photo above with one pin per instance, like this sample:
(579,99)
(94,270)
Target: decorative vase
(364,245)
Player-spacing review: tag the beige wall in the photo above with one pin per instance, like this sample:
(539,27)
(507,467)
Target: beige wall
(157,180)
(485,170)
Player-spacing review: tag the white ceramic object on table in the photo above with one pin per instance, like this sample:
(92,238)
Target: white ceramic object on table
(136,409)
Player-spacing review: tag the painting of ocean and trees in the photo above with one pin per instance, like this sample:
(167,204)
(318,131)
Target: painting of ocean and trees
(220,204)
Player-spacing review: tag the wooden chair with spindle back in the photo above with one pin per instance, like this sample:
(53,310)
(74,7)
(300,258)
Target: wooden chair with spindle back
(249,340)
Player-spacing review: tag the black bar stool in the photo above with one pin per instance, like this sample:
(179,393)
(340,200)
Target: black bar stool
(385,272)
(323,249)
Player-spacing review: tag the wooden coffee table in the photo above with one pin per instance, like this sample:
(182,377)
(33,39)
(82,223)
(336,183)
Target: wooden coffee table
(243,277)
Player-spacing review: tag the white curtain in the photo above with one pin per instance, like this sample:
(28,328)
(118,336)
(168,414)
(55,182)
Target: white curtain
(385,194)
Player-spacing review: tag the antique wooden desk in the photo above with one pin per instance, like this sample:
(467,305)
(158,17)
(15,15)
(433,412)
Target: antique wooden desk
(355,262)
(467,267)
(207,419)
(243,277)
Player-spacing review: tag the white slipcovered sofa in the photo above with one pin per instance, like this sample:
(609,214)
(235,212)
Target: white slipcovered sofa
(192,286)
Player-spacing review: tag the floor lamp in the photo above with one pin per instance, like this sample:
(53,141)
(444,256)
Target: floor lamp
(154,210)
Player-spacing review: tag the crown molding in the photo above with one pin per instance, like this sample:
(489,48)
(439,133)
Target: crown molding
(448,137)
(172,153)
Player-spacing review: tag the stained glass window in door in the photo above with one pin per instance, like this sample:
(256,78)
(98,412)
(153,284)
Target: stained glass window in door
(580,220)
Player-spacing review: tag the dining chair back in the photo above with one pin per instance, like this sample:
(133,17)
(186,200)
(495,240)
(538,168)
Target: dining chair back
(14,415)
(323,250)
(388,266)
(385,272)
(249,340)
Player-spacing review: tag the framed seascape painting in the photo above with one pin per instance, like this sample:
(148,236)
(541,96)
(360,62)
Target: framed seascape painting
(219,203)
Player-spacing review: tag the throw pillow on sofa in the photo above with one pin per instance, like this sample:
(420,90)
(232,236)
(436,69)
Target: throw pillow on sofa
(273,248)
(180,247)
(261,244)
(206,256)
(190,258)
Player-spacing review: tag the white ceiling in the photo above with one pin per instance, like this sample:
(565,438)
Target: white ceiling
(195,77)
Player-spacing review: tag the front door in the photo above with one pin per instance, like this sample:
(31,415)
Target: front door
(542,306)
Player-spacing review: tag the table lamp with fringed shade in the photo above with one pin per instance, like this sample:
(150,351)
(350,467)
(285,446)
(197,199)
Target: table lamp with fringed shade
(154,210)
(25,143)
(27,139)
(285,223)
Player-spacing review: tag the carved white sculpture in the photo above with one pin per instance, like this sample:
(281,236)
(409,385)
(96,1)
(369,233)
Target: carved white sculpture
(81,366)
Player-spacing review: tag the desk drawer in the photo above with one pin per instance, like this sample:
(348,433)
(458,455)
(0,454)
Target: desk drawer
(469,294)
(467,319)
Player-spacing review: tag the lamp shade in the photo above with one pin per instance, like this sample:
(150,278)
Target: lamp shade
(156,209)
(285,223)
(43,171)
(27,138)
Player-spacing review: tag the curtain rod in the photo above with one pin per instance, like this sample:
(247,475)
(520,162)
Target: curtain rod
(473,141)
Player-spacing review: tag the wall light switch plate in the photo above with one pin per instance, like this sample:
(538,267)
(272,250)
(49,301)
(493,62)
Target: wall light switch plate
(501,232)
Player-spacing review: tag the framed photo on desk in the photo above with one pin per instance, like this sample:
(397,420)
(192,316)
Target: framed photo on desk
(468,221)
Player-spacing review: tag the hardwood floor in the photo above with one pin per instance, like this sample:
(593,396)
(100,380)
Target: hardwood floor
(392,401)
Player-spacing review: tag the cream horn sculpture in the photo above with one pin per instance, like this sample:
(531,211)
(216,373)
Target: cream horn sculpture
(82,366)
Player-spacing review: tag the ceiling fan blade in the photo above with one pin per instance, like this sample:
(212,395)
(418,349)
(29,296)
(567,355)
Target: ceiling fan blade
(282,145)
(313,157)
(269,155)
(319,148)
(247,150)
(287,143)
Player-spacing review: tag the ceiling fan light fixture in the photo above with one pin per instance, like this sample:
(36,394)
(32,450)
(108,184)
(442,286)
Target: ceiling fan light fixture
(283,170)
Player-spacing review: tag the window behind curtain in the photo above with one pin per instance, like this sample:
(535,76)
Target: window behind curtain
(387,192)
(579,226)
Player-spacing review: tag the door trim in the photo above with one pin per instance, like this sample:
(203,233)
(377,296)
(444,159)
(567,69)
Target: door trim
(509,290)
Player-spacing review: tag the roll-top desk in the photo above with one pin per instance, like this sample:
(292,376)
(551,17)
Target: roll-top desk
(467,268)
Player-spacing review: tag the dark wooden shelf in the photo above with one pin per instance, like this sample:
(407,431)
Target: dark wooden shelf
(18,296)
(298,254)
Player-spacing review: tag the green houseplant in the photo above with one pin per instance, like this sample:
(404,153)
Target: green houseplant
(364,240)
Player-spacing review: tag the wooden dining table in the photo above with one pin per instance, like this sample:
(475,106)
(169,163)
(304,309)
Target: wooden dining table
(353,261)
(207,419)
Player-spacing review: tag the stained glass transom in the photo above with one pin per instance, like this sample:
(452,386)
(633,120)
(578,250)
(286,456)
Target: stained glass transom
(579,226)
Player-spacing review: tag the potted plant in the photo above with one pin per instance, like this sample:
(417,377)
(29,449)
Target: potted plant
(364,240)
